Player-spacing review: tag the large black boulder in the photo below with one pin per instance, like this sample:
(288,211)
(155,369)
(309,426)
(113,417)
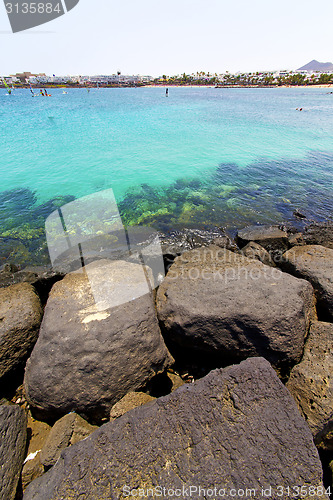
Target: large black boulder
(313,263)
(86,359)
(222,304)
(311,383)
(13,436)
(236,428)
(20,318)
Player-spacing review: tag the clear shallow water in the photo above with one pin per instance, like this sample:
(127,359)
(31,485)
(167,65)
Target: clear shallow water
(199,157)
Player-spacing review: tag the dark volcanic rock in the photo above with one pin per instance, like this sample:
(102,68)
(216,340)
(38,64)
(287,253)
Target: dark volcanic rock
(298,214)
(319,234)
(32,469)
(236,428)
(67,431)
(20,318)
(7,272)
(9,268)
(13,435)
(315,264)
(311,383)
(44,280)
(176,381)
(86,359)
(7,277)
(296,239)
(272,238)
(223,304)
(254,251)
(37,434)
(226,242)
(129,402)
(41,277)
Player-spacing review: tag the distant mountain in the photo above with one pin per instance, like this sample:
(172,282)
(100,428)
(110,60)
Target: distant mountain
(316,66)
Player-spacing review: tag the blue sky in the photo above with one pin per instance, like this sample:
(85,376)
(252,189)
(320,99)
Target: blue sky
(172,36)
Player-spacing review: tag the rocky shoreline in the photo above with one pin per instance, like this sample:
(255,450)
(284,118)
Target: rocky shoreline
(222,378)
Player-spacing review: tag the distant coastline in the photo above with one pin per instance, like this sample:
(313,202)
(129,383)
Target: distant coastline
(314,74)
(166,85)
(319,85)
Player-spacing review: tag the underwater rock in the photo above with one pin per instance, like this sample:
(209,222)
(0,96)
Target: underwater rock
(16,201)
(45,209)
(15,252)
(298,214)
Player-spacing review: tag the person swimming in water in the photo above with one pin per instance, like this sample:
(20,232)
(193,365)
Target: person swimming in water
(167,92)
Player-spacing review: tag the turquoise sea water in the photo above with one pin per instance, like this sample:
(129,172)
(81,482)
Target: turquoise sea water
(202,156)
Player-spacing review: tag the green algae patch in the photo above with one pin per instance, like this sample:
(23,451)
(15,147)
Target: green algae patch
(231,197)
